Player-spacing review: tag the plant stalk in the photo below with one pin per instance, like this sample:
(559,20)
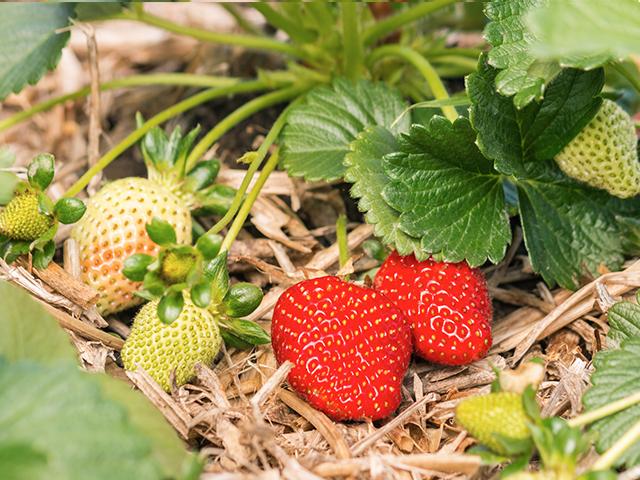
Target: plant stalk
(183,79)
(296,32)
(245,111)
(247,41)
(243,213)
(133,137)
(261,153)
(353,55)
(611,456)
(343,244)
(423,66)
(388,25)
(604,411)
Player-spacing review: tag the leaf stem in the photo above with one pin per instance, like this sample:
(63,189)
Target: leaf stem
(343,245)
(423,66)
(384,27)
(247,41)
(611,456)
(605,411)
(242,22)
(245,111)
(351,40)
(185,79)
(133,137)
(243,213)
(296,32)
(261,153)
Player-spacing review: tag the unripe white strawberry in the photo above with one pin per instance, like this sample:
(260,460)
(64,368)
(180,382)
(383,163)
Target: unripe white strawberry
(604,154)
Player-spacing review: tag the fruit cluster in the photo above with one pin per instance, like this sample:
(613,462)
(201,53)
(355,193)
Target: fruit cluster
(351,345)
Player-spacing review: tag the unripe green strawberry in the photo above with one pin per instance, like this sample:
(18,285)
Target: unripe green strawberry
(158,348)
(500,413)
(21,219)
(113,228)
(176,266)
(604,154)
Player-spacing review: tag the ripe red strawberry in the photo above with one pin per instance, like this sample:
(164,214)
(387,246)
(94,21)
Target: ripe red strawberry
(350,347)
(447,306)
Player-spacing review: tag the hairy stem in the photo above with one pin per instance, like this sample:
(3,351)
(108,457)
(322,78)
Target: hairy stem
(343,245)
(611,456)
(245,111)
(411,14)
(247,41)
(423,66)
(271,137)
(156,120)
(183,79)
(605,411)
(351,39)
(243,213)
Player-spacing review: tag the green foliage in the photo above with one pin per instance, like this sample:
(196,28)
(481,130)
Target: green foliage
(318,132)
(242,299)
(585,33)
(29,44)
(616,376)
(50,411)
(161,232)
(448,194)
(41,170)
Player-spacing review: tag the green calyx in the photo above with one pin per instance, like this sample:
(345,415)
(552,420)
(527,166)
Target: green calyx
(29,219)
(176,266)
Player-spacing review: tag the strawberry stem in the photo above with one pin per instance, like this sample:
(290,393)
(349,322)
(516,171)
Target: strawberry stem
(343,245)
(261,153)
(133,137)
(245,111)
(611,456)
(423,66)
(351,39)
(605,411)
(185,79)
(238,222)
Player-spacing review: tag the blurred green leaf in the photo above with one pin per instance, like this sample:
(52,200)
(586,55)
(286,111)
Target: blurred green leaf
(41,170)
(161,231)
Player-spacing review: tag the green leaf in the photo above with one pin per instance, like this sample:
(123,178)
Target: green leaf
(247,331)
(513,138)
(201,293)
(318,133)
(7,157)
(365,171)
(28,331)
(215,200)
(216,270)
(202,175)
(29,44)
(242,299)
(45,204)
(42,257)
(96,10)
(569,229)
(209,245)
(41,170)
(19,460)
(624,320)
(231,340)
(8,183)
(69,210)
(448,193)
(12,249)
(161,232)
(617,376)
(135,266)
(599,31)
(170,306)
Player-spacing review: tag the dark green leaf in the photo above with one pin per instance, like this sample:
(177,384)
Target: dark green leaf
(512,137)
(201,294)
(374,249)
(209,245)
(231,340)
(135,266)
(242,299)
(42,257)
(365,171)
(448,193)
(216,270)
(69,210)
(8,183)
(215,200)
(170,306)
(41,170)
(247,331)
(617,376)
(202,175)
(29,44)
(12,249)
(599,31)
(20,460)
(28,331)
(319,132)
(161,231)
